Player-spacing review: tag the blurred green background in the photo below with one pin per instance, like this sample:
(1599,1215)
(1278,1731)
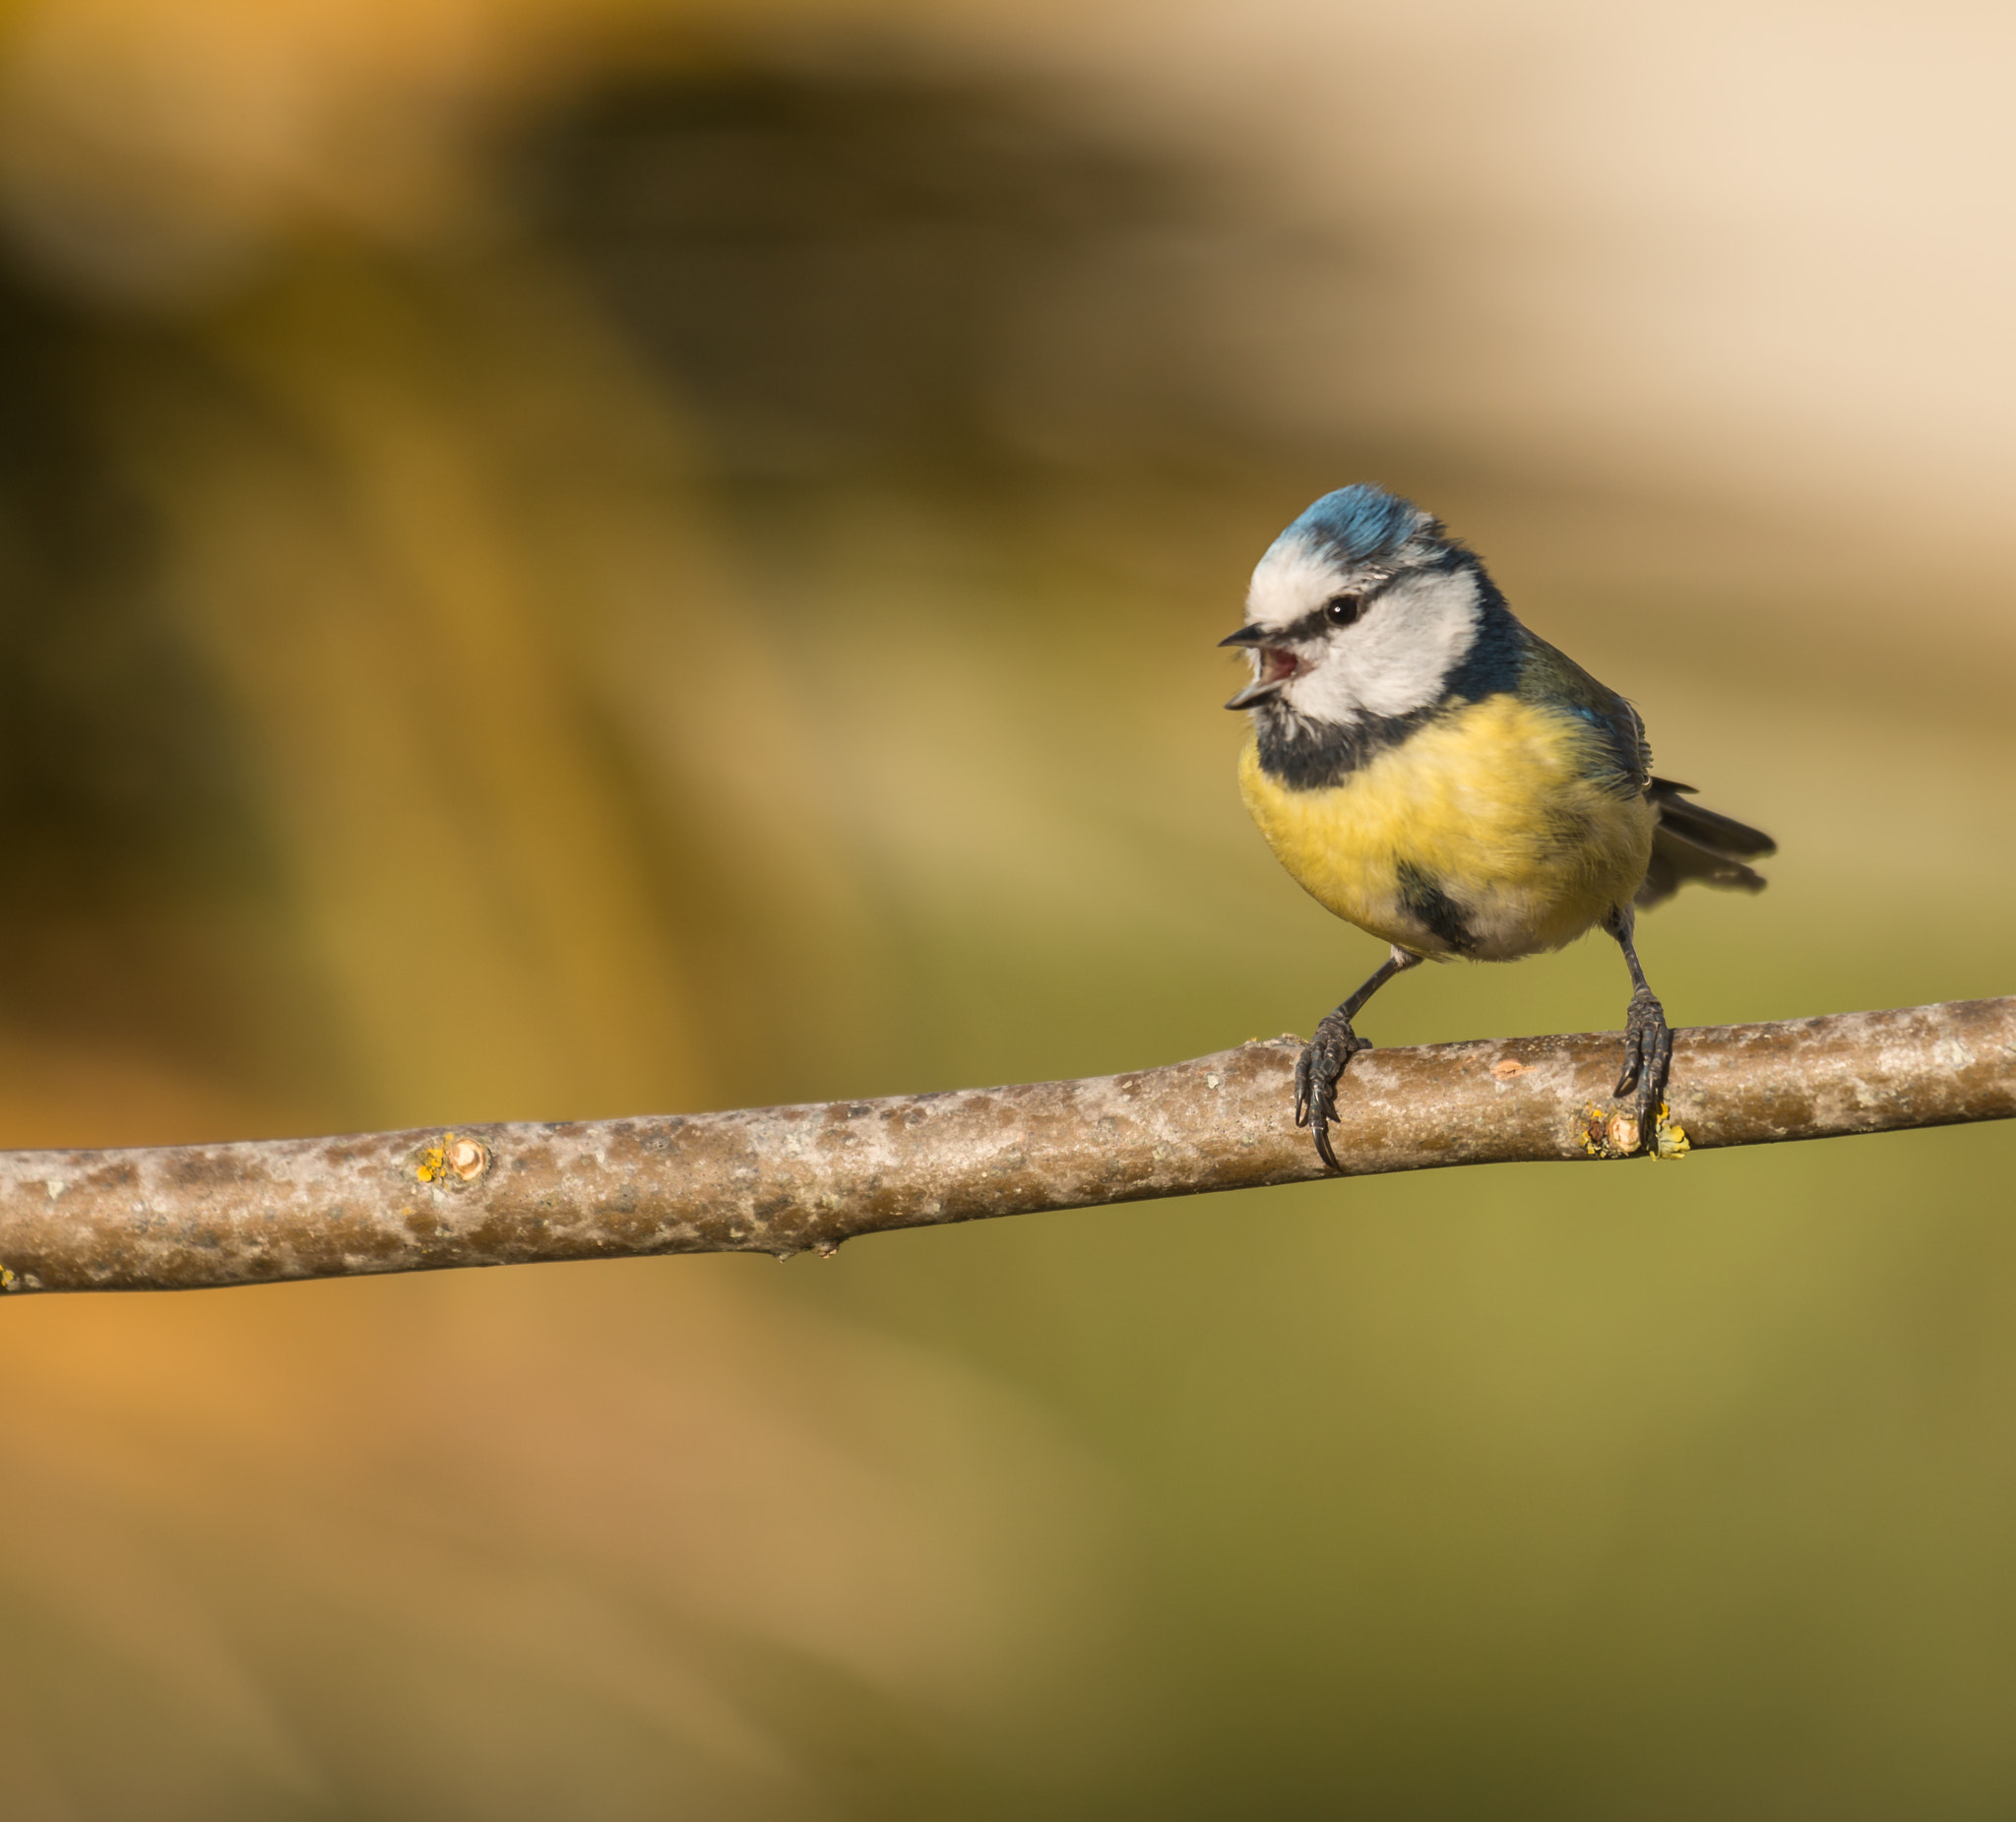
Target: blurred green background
(565,560)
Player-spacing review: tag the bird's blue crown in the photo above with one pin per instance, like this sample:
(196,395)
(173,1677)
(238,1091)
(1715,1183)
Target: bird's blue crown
(1359,523)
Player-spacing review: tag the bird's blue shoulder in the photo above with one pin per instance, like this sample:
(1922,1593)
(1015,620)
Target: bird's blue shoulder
(1507,659)
(1621,757)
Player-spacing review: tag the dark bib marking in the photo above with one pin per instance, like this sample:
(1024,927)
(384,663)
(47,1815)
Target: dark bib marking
(1315,755)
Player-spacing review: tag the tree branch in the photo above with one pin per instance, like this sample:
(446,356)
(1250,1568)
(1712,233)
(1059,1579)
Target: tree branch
(788,1179)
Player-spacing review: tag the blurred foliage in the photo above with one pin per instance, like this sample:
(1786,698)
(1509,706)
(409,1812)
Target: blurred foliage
(694,582)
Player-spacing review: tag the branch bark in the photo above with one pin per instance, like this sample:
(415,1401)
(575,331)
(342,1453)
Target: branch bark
(789,1179)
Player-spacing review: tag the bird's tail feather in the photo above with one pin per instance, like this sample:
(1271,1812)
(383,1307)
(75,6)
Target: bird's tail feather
(1691,842)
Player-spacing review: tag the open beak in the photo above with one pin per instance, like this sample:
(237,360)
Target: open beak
(1276,666)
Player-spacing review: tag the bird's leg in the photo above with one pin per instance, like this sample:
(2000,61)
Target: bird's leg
(1648,1042)
(1324,1057)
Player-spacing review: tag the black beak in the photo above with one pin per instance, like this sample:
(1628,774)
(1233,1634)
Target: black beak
(1277,664)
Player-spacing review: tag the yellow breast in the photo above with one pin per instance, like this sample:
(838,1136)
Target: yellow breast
(1483,834)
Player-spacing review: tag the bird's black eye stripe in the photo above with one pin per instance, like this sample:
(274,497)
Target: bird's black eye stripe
(1341,610)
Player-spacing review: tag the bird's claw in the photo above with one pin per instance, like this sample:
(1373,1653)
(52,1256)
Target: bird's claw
(1648,1058)
(1317,1072)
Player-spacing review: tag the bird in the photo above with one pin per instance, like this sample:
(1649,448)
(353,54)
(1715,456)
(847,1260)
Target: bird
(1431,771)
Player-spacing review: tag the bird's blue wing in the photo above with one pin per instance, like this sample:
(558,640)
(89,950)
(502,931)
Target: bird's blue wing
(1623,757)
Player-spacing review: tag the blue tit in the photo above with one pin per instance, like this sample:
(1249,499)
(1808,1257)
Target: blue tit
(1430,771)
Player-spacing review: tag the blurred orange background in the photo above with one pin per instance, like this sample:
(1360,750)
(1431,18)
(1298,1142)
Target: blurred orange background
(563,560)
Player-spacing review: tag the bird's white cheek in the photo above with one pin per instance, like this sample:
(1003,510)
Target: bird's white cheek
(1398,659)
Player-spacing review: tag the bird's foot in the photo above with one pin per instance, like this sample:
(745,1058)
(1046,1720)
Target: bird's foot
(1648,1059)
(1317,1073)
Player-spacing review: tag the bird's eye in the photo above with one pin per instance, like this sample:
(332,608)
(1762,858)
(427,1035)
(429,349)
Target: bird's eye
(1343,609)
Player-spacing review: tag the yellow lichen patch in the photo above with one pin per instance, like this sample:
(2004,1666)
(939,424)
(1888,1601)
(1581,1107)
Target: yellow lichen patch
(465,1159)
(1614,1133)
(6,1279)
